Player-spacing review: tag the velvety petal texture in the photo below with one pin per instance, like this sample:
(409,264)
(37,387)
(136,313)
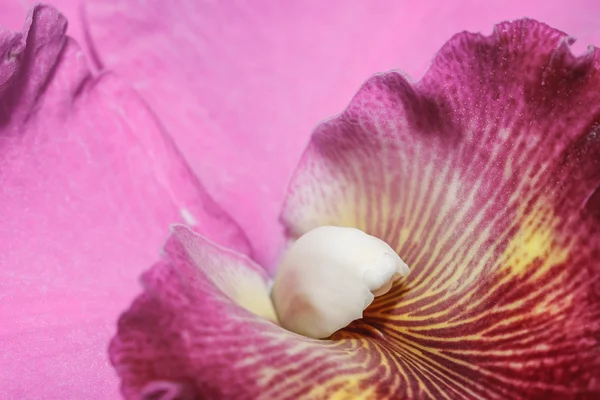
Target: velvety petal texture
(241,85)
(14,12)
(89,184)
(484,176)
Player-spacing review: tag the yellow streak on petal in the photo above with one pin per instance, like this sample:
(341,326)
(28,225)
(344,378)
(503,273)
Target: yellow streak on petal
(508,171)
(251,293)
(258,305)
(349,391)
(535,241)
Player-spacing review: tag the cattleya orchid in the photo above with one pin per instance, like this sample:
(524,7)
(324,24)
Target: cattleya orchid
(483,177)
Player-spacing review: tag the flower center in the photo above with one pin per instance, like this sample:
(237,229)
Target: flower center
(329,276)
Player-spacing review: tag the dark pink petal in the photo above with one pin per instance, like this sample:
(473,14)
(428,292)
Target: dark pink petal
(240,85)
(14,12)
(187,337)
(88,186)
(485,176)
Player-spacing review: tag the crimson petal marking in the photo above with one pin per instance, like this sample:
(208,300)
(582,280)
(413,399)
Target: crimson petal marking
(483,176)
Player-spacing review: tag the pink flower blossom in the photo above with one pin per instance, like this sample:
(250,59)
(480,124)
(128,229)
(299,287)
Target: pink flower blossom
(483,173)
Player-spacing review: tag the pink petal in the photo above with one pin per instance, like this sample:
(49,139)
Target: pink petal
(187,337)
(240,86)
(485,177)
(88,186)
(14,12)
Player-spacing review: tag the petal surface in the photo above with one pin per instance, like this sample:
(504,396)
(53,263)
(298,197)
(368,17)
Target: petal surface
(190,336)
(485,177)
(241,85)
(89,184)
(14,12)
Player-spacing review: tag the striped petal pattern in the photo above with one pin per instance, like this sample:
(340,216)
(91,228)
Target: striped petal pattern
(483,176)
(190,335)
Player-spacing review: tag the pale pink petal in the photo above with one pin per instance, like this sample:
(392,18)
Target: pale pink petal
(240,85)
(485,178)
(89,184)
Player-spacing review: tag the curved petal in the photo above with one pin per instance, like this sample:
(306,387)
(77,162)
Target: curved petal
(13,13)
(187,337)
(88,187)
(483,176)
(240,86)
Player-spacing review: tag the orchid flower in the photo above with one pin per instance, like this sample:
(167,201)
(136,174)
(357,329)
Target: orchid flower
(482,177)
